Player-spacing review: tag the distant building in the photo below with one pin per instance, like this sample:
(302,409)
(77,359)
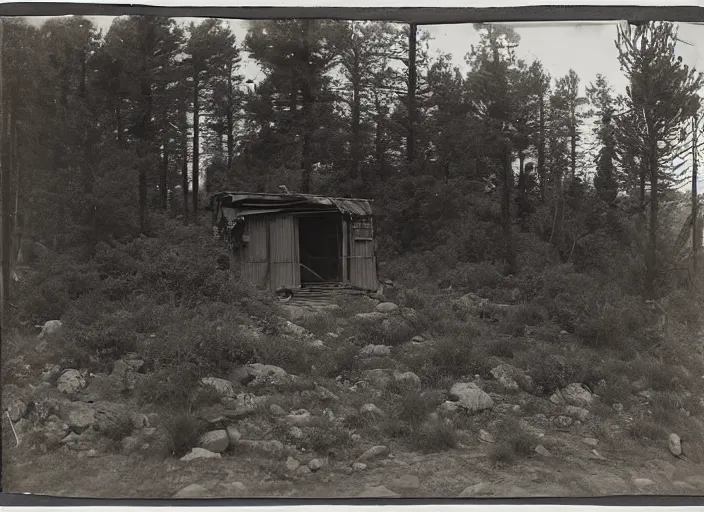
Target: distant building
(297,240)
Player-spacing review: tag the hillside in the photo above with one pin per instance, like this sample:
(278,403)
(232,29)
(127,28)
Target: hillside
(408,393)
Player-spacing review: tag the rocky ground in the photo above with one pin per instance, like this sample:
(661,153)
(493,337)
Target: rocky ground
(265,432)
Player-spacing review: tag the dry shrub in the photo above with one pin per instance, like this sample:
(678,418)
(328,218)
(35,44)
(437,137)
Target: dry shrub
(183,429)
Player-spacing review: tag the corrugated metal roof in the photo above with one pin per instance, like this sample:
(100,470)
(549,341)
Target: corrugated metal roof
(256,201)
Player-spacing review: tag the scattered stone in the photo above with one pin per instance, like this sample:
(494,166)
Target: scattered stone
(70,382)
(359,466)
(486,437)
(299,418)
(563,421)
(375,351)
(325,394)
(407,380)
(50,328)
(479,489)
(303,470)
(577,413)
(675,445)
(296,433)
(379,378)
(233,435)
(507,376)
(405,482)
(377,492)
(598,455)
(542,451)
(373,453)
(276,410)
(328,414)
(386,307)
(16,408)
(372,410)
(557,399)
(577,395)
(192,491)
(618,407)
(243,404)
(643,483)
(79,416)
(50,372)
(684,486)
(418,339)
(215,441)
(469,396)
(223,387)
(590,441)
(200,453)
(315,464)
(292,464)
(356,438)
(272,448)
(265,372)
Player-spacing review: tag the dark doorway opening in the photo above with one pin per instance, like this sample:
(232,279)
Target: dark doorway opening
(320,242)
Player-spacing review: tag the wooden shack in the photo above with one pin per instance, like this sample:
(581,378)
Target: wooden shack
(298,240)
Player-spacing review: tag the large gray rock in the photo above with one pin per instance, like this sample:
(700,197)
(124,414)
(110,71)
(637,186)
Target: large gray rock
(386,307)
(407,380)
(577,413)
(379,378)
(50,328)
(200,453)
(70,381)
(373,453)
(78,416)
(470,397)
(112,417)
(575,394)
(215,441)
(375,351)
(222,387)
(192,491)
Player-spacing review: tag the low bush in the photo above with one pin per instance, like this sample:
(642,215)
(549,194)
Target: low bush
(433,435)
(184,430)
(514,442)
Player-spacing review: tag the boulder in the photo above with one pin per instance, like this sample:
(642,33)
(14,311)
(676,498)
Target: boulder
(245,403)
(296,433)
(507,376)
(70,381)
(78,416)
(200,453)
(375,351)
(575,394)
(486,437)
(577,413)
(233,435)
(590,441)
(675,445)
(222,387)
(276,410)
(407,380)
(359,466)
(292,464)
(316,464)
(112,417)
(299,418)
(373,453)
(470,397)
(192,491)
(50,328)
(386,307)
(215,441)
(542,451)
(372,410)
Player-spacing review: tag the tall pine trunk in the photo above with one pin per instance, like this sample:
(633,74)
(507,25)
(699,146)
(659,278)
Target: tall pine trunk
(306,156)
(196,143)
(541,146)
(230,121)
(411,141)
(651,263)
(164,178)
(506,209)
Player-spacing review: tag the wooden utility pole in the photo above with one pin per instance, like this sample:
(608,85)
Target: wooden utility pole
(695,199)
(6,171)
(411,142)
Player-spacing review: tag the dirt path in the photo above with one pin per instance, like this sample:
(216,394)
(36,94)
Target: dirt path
(572,473)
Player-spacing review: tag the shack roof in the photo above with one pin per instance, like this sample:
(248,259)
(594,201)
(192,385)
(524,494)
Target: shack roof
(256,203)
